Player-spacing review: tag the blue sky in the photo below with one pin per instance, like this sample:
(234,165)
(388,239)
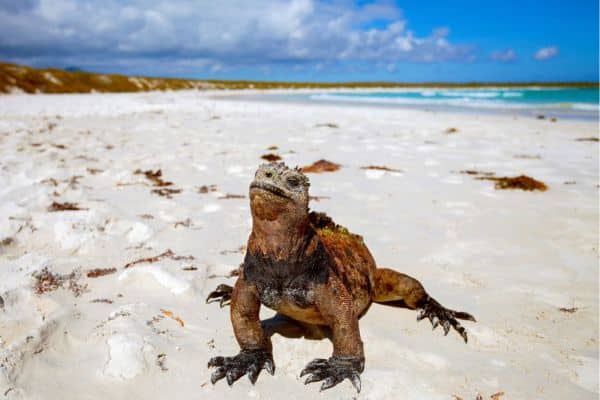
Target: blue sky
(332,40)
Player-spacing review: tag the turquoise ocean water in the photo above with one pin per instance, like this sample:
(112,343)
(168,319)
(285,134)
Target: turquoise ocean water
(560,101)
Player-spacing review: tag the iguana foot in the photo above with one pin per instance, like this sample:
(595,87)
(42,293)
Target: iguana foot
(247,362)
(222,294)
(334,370)
(439,315)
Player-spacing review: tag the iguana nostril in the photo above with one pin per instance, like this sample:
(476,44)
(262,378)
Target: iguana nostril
(269,174)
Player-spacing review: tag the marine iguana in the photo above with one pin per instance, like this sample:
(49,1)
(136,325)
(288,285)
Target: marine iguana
(319,277)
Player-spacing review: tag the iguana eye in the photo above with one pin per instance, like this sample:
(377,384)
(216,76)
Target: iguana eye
(293,181)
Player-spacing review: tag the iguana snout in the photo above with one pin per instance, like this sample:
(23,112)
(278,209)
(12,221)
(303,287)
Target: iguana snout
(277,188)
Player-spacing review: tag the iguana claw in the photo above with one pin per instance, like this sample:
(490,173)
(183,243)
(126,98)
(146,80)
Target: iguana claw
(247,362)
(334,371)
(439,315)
(222,294)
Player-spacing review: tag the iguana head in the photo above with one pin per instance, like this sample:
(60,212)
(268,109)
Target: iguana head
(279,193)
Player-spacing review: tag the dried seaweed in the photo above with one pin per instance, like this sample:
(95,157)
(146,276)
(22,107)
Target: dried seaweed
(570,310)
(381,168)
(174,317)
(98,272)
(94,171)
(451,130)
(232,196)
(185,223)
(167,254)
(522,182)
(272,148)
(74,181)
(105,301)
(50,181)
(166,192)
(56,206)
(321,166)
(7,241)
(189,268)
(46,281)
(270,157)
(475,172)
(207,188)
(327,125)
(528,156)
(154,176)
(160,362)
(587,139)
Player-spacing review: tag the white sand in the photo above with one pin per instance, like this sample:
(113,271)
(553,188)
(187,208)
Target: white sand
(511,258)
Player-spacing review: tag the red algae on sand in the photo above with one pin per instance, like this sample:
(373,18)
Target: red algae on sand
(98,272)
(56,206)
(522,182)
(167,254)
(321,166)
(270,157)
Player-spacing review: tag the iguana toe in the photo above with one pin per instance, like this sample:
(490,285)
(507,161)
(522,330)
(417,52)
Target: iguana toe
(439,315)
(247,362)
(334,371)
(222,294)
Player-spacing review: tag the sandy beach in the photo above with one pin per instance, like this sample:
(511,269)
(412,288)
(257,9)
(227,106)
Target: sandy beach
(119,213)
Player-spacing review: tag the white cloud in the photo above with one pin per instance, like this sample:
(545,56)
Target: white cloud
(507,55)
(216,34)
(545,53)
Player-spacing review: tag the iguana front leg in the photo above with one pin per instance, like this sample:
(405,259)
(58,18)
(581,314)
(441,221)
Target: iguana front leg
(256,351)
(347,361)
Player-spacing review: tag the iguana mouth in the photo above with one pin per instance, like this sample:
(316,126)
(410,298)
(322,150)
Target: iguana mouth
(269,188)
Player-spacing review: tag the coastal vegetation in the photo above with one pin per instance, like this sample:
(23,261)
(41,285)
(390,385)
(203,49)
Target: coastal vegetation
(18,78)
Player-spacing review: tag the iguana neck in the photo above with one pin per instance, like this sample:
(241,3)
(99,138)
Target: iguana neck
(279,241)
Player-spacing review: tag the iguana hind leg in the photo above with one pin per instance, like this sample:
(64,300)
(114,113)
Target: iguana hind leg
(399,290)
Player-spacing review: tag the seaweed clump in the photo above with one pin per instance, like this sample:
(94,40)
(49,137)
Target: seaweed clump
(167,254)
(381,168)
(522,182)
(321,166)
(157,180)
(270,157)
(154,176)
(98,272)
(47,281)
(56,206)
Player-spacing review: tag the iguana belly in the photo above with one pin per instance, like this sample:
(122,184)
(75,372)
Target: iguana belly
(295,303)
